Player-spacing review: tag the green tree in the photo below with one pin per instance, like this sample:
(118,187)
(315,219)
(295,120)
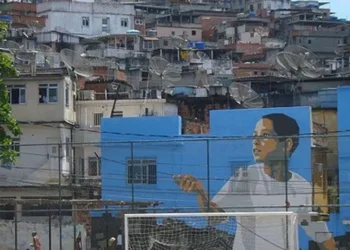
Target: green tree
(9,126)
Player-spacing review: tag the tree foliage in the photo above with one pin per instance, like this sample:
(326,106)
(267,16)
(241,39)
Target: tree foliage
(9,126)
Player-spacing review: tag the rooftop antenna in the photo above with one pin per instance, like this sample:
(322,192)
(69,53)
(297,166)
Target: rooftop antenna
(74,62)
(245,96)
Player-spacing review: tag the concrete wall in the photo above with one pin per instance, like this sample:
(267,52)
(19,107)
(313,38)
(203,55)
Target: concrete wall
(38,164)
(27,225)
(192,32)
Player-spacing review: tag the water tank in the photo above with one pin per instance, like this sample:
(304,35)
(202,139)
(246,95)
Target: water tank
(135,32)
(199,45)
(191,44)
(328,98)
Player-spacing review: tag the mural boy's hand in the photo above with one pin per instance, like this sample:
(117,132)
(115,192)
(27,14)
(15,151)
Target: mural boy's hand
(188,183)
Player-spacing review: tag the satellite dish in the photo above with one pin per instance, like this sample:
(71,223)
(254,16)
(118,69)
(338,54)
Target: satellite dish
(245,96)
(299,62)
(14,47)
(44,48)
(202,56)
(47,57)
(76,63)
(179,42)
(164,69)
(35,26)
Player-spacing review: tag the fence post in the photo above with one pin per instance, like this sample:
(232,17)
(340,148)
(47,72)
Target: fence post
(16,233)
(132,176)
(50,242)
(286,172)
(60,193)
(106,226)
(208,172)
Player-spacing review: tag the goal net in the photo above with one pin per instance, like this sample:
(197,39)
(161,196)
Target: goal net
(211,231)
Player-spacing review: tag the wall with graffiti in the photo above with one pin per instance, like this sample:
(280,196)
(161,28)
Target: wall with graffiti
(253,160)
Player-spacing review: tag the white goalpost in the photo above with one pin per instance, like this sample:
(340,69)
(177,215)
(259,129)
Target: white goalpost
(211,231)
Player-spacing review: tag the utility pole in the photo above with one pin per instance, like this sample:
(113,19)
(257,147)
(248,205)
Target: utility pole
(60,192)
(132,176)
(286,173)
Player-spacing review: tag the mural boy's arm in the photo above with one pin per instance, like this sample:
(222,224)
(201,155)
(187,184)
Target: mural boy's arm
(188,183)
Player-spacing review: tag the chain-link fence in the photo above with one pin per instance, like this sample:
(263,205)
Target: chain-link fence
(79,208)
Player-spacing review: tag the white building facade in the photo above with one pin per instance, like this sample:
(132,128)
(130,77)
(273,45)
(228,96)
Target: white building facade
(83,19)
(44,107)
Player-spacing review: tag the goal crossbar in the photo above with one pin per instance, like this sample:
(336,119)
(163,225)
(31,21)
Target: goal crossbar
(127,217)
(229,214)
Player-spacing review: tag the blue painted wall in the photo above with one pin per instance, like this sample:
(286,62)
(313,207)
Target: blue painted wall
(344,158)
(177,154)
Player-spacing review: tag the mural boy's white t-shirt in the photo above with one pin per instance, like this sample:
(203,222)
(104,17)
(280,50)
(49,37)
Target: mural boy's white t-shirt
(251,187)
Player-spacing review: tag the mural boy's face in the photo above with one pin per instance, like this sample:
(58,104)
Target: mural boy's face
(265,147)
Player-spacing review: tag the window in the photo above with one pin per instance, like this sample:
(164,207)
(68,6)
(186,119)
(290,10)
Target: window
(94,166)
(144,75)
(67,95)
(117,113)
(48,93)
(309,41)
(105,24)
(148,44)
(16,144)
(85,21)
(165,43)
(74,103)
(17,94)
(111,73)
(138,22)
(240,170)
(82,169)
(97,119)
(124,22)
(67,148)
(194,32)
(142,171)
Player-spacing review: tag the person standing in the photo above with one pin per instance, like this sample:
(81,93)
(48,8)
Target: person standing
(119,240)
(36,242)
(112,244)
(78,245)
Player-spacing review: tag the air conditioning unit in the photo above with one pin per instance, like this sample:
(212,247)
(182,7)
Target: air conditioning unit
(86,95)
(154,94)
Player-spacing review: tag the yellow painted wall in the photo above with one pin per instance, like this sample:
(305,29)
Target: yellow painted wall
(327,154)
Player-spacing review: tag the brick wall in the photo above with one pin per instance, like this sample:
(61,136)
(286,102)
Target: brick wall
(196,116)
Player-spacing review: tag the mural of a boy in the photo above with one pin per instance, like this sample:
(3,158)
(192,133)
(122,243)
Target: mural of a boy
(264,184)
